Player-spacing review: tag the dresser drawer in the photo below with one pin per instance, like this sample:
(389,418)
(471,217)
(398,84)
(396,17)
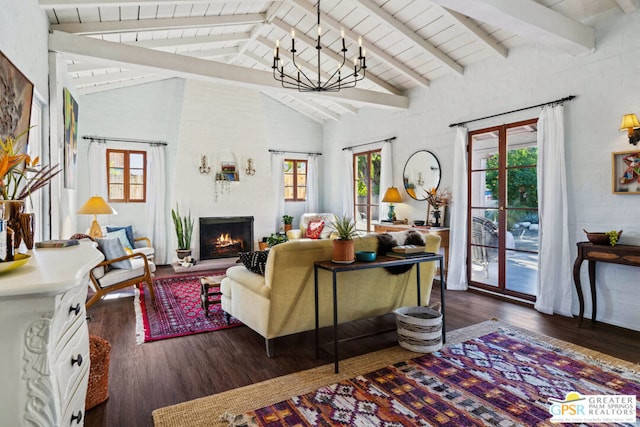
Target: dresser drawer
(73,413)
(69,309)
(72,363)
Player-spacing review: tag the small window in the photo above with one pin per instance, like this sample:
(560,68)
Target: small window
(295,180)
(127,176)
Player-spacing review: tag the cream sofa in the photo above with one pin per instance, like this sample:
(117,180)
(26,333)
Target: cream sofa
(282,301)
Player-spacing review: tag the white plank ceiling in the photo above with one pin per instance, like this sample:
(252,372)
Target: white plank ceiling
(118,43)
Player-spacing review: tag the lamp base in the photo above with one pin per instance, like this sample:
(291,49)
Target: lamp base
(392,213)
(95,231)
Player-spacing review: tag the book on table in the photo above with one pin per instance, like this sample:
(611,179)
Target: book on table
(410,254)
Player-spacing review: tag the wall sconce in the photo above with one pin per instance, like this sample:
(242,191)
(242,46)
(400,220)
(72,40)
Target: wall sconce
(204,167)
(632,126)
(250,170)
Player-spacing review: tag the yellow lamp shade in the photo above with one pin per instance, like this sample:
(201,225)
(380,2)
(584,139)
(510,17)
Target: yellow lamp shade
(96,206)
(392,195)
(629,121)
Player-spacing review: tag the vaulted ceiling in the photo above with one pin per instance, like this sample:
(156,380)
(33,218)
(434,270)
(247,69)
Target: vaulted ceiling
(409,43)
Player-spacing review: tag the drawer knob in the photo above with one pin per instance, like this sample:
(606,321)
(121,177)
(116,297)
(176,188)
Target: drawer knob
(75,310)
(76,418)
(78,360)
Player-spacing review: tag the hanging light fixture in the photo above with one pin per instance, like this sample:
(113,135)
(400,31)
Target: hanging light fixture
(303,83)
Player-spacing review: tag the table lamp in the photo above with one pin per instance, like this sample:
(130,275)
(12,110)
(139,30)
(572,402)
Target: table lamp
(96,206)
(391,196)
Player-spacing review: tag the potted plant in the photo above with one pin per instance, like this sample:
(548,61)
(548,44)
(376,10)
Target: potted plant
(184,231)
(343,247)
(263,244)
(275,239)
(287,220)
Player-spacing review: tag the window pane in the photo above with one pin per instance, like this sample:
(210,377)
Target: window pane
(136,192)
(302,193)
(116,176)
(287,166)
(116,159)
(288,193)
(288,180)
(302,180)
(116,192)
(136,176)
(136,160)
(302,167)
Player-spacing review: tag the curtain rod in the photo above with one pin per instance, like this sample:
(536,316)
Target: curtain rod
(369,143)
(557,101)
(293,152)
(115,139)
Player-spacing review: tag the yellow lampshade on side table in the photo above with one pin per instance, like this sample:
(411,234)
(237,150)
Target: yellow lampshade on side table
(95,206)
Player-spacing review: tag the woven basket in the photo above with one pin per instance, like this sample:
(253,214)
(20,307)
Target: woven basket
(419,329)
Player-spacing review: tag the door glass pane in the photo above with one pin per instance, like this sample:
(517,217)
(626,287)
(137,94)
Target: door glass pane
(522,187)
(484,246)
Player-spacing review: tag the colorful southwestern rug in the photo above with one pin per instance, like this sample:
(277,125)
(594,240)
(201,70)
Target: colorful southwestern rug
(503,378)
(179,311)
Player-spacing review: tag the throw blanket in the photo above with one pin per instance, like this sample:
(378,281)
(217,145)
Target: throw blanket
(386,242)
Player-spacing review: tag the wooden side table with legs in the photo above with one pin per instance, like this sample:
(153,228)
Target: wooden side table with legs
(209,291)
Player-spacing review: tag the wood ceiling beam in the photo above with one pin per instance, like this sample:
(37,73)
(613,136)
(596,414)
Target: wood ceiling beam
(175,42)
(119,85)
(530,20)
(421,43)
(108,27)
(301,37)
(628,6)
(477,32)
(380,54)
(87,48)
(78,4)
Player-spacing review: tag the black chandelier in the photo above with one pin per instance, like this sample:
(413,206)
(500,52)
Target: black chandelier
(305,84)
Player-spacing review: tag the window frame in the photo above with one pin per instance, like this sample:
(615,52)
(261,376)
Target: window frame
(295,179)
(127,174)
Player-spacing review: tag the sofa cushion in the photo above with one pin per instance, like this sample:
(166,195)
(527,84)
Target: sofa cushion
(118,275)
(314,229)
(128,231)
(122,236)
(254,261)
(112,249)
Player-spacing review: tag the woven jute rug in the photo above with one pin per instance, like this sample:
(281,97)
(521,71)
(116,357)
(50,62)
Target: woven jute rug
(208,411)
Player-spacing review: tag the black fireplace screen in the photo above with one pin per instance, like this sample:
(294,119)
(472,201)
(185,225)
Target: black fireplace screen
(225,237)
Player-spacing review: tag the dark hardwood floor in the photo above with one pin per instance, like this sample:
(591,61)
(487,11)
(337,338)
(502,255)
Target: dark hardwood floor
(149,376)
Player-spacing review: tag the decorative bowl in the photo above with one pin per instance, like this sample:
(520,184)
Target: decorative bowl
(600,238)
(18,261)
(366,256)
(419,223)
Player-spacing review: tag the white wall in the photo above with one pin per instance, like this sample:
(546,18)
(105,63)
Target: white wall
(606,84)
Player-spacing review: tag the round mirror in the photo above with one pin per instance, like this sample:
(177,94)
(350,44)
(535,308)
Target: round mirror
(421,173)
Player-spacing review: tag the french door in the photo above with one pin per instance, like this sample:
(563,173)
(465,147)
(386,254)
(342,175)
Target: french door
(503,209)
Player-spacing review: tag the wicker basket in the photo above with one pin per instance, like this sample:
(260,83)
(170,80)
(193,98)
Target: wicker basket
(419,329)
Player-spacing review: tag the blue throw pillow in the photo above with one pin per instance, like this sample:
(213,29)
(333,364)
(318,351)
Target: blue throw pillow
(122,236)
(127,229)
(112,249)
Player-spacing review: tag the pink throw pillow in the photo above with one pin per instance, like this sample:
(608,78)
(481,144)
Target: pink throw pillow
(314,229)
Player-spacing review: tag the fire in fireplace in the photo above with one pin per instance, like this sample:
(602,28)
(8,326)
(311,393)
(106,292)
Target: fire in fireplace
(225,237)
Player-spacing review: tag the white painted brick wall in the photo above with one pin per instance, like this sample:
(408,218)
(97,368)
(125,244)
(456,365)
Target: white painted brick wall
(607,85)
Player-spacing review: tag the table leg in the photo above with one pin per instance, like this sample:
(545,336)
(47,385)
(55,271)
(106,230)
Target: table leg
(335,324)
(418,280)
(442,288)
(315,281)
(592,283)
(576,280)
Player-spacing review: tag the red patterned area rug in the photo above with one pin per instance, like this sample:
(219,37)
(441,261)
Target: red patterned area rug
(179,311)
(500,379)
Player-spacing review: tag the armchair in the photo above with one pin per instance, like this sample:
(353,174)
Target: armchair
(106,277)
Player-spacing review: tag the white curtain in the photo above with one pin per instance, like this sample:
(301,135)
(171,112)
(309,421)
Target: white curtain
(457,266)
(386,178)
(97,170)
(346,191)
(277,174)
(554,262)
(156,202)
(311,205)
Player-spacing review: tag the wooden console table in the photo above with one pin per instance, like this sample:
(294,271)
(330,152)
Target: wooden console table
(619,254)
(440,231)
(380,262)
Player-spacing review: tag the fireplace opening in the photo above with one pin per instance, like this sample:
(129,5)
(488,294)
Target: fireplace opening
(225,237)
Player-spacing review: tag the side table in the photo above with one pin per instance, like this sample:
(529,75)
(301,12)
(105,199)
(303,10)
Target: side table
(209,292)
(380,262)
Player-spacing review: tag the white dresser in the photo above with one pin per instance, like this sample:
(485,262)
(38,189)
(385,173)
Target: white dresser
(44,340)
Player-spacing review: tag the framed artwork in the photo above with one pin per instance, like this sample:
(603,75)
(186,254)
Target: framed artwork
(70,139)
(625,172)
(16,94)
(228,167)
(431,216)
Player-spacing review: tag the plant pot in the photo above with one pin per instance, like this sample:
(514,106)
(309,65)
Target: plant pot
(183,253)
(287,227)
(263,245)
(343,251)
